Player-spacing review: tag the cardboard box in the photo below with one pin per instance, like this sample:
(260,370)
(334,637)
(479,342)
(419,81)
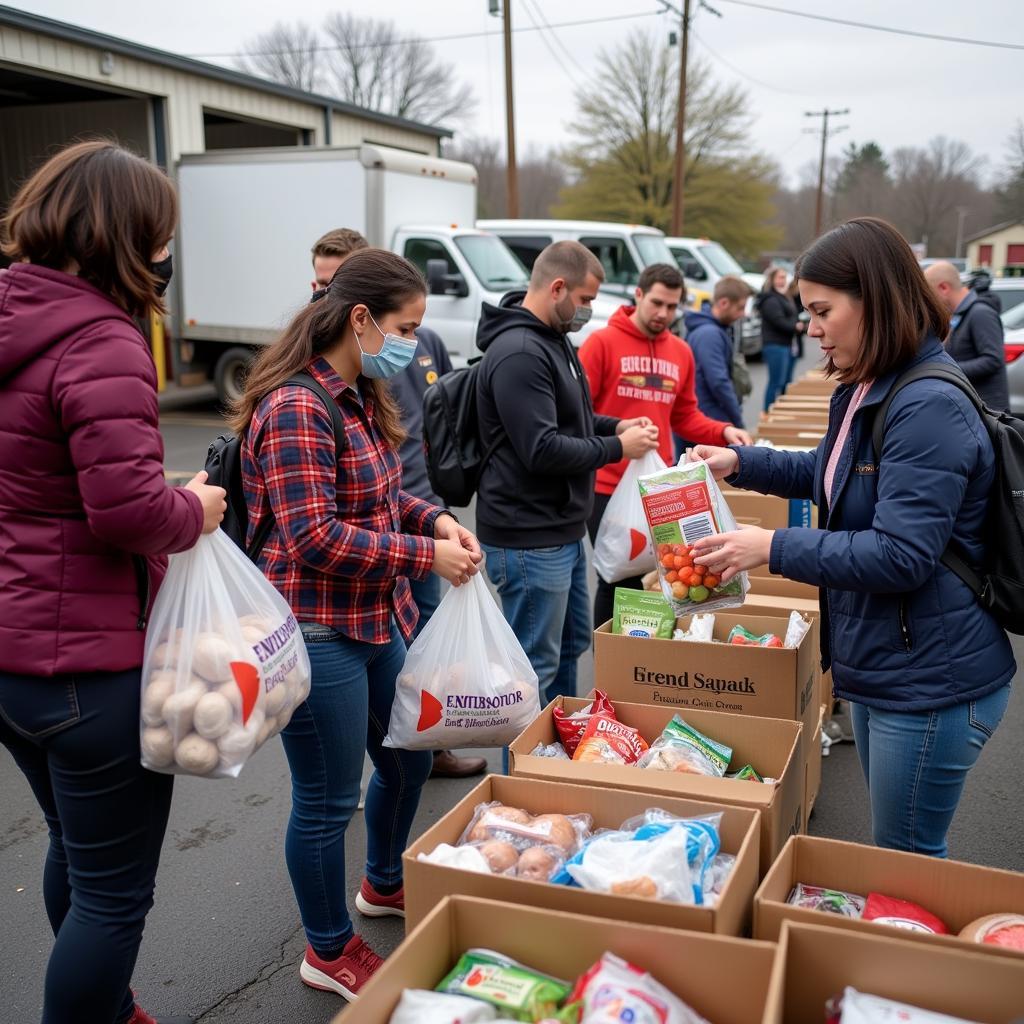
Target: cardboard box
(804,438)
(764,584)
(814,963)
(813,786)
(425,884)
(766,682)
(700,969)
(771,745)
(955,892)
(770,512)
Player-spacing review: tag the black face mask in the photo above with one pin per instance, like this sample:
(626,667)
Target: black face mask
(163,270)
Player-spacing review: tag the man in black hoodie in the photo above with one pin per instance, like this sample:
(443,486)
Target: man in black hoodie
(537,490)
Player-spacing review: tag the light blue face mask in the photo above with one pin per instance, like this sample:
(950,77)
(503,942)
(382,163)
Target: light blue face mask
(394,356)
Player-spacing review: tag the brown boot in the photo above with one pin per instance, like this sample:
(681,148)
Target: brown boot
(448,766)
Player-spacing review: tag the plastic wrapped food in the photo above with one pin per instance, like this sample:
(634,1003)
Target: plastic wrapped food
(748,773)
(716,877)
(553,750)
(607,741)
(643,614)
(861,1008)
(571,727)
(465,858)
(1005,930)
(830,901)
(740,637)
(899,913)
(796,630)
(700,630)
(614,991)
(517,992)
(683,504)
(522,830)
(681,748)
(419,1006)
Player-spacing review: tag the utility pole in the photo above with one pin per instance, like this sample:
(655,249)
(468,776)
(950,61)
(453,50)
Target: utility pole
(824,115)
(961,213)
(512,178)
(677,178)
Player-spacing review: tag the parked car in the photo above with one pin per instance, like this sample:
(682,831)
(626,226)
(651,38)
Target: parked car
(1013,346)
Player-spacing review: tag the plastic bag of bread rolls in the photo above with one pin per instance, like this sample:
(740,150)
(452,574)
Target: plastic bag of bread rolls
(225,664)
(466,681)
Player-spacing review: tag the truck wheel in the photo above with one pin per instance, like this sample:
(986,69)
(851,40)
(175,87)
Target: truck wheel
(229,373)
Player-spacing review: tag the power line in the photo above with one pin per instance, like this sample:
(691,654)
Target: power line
(530,8)
(876,28)
(425,39)
(744,74)
(566,53)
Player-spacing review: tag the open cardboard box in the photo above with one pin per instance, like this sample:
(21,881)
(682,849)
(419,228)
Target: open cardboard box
(955,892)
(815,963)
(771,513)
(813,784)
(771,745)
(700,969)
(426,884)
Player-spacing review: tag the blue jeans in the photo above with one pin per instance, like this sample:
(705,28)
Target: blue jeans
(426,594)
(76,740)
(916,764)
(544,598)
(347,712)
(779,361)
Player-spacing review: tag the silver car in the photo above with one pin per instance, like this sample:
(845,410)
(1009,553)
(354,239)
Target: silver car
(1013,345)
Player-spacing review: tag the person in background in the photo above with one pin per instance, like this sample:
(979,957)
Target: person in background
(779,324)
(976,335)
(710,337)
(86,520)
(346,540)
(430,362)
(537,490)
(926,668)
(797,348)
(637,367)
(980,282)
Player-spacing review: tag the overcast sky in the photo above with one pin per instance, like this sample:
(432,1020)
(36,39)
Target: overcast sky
(900,90)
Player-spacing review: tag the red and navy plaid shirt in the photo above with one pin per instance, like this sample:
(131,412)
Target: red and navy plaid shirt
(346,537)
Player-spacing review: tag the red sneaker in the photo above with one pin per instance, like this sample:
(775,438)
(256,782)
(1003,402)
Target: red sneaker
(371,903)
(347,974)
(139,1016)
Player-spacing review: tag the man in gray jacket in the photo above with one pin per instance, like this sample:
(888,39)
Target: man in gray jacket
(976,335)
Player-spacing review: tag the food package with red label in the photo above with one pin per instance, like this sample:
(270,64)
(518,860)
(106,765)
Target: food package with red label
(683,504)
(1006,930)
(571,727)
(608,741)
(901,914)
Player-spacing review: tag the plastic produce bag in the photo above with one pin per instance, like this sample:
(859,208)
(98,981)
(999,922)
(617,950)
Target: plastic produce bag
(467,682)
(418,1006)
(225,664)
(622,546)
(683,504)
(681,748)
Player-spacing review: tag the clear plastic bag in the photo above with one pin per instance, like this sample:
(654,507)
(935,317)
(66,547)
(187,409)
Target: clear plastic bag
(622,546)
(467,681)
(225,664)
(523,830)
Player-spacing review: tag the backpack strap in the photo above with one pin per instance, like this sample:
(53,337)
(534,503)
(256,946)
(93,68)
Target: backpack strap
(933,371)
(310,383)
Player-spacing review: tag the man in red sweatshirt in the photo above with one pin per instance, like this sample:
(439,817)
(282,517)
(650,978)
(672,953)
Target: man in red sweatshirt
(637,367)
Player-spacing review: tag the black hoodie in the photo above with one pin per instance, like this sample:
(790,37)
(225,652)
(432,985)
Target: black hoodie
(537,490)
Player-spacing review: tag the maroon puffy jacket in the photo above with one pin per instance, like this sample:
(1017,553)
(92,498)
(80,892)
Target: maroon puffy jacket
(82,488)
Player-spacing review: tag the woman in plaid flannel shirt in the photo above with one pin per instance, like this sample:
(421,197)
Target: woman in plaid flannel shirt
(345,542)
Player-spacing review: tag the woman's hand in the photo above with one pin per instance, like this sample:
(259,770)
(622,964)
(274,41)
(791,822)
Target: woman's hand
(739,551)
(639,421)
(452,562)
(447,527)
(736,435)
(213,500)
(723,461)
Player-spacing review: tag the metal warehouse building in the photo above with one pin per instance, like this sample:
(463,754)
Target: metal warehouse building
(59,82)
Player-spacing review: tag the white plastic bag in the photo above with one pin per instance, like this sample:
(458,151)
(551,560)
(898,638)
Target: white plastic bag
(467,681)
(622,546)
(225,664)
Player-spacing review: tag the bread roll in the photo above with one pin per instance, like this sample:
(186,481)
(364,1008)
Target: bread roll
(211,658)
(196,755)
(275,701)
(536,864)
(501,857)
(213,715)
(157,690)
(157,747)
(180,706)
(643,886)
(559,831)
(164,656)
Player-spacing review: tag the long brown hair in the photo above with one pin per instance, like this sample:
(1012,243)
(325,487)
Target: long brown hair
(870,260)
(99,206)
(375,278)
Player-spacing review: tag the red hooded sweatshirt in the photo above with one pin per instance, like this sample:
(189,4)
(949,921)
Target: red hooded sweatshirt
(632,375)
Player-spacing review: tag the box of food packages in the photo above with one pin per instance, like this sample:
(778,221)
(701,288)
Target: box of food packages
(689,764)
(699,970)
(816,966)
(769,682)
(936,901)
(503,817)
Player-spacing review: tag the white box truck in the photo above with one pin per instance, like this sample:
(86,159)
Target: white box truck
(250,217)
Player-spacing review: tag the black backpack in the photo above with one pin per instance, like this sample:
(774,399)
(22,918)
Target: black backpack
(224,469)
(451,436)
(999,583)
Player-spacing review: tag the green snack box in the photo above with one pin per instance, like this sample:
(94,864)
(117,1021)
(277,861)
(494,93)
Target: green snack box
(642,613)
(518,992)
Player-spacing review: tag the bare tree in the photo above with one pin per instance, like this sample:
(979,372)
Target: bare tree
(288,53)
(374,64)
(1010,195)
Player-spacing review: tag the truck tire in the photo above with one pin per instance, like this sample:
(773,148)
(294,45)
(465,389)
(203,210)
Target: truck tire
(229,373)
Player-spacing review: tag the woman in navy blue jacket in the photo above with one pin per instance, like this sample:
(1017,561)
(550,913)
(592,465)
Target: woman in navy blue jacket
(927,670)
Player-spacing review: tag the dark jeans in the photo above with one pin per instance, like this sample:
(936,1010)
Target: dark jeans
(779,360)
(604,596)
(427,595)
(347,713)
(76,739)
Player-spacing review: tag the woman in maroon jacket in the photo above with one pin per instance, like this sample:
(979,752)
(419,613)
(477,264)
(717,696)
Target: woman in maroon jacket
(85,522)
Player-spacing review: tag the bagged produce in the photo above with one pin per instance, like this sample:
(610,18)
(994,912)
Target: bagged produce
(517,992)
(523,830)
(642,613)
(224,667)
(467,681)
(741,637)
(571,727)
(681,748)
(622,547)
(683,504)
